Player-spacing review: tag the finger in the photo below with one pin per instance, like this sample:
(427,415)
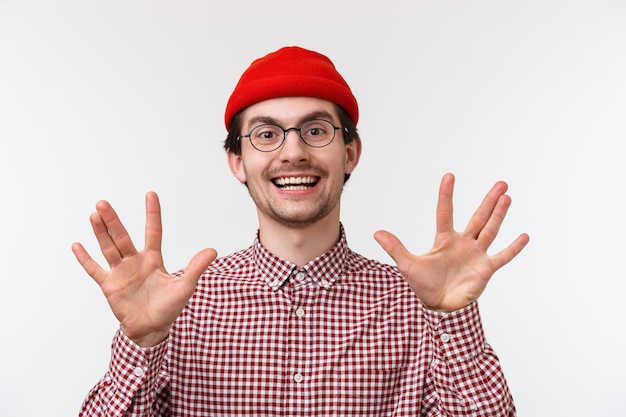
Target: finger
(507,254)
(89,265)
(115,229)
(490,231)
(154,228)
(485,209)
(444,215)
(392,245)
(107,246)
(198,264)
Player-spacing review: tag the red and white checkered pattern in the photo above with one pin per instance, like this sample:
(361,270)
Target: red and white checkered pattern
(342,336)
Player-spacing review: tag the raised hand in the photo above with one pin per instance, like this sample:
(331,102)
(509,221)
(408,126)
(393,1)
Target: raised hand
(144,297)
(455,272)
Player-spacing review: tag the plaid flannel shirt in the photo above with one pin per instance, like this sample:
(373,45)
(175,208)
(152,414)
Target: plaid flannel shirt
(340,336)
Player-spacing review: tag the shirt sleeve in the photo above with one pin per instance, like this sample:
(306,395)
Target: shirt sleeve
(136,383)
(465,376)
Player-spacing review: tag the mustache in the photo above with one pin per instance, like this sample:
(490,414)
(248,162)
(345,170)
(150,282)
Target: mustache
(291,169)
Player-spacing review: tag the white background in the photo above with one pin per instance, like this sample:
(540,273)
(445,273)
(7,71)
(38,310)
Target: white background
(107,100)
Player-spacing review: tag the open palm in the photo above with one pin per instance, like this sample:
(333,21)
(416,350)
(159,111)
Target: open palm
(455,272)
(144,297)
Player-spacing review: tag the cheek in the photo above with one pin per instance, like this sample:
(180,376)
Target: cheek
(252,169)
(247,162)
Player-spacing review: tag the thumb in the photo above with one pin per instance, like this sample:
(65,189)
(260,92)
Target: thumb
(198,264)
(392,245)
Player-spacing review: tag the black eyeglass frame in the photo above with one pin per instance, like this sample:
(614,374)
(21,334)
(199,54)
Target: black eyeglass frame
(298,129)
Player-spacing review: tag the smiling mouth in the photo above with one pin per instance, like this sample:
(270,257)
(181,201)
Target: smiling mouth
(295,183)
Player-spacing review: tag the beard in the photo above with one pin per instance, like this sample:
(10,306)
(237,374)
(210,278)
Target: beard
(296,212)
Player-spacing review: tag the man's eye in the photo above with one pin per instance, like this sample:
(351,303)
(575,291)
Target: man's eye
(265,133)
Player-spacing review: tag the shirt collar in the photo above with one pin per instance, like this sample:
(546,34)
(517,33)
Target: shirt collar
(323,270)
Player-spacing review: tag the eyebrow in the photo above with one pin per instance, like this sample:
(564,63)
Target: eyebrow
(320,114)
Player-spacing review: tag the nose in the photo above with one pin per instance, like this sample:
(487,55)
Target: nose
(293,149)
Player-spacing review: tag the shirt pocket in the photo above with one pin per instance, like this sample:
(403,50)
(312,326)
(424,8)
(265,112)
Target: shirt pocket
(365,388)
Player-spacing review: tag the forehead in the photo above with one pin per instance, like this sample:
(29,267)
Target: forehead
(289,111)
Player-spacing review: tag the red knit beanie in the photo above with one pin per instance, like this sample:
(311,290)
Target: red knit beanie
(291,72)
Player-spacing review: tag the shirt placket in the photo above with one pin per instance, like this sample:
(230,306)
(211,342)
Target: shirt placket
(301,342)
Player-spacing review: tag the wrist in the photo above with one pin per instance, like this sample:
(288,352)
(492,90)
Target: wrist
(148,339)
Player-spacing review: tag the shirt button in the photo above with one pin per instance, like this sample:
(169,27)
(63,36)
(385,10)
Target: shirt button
(300,312)
(300,276)
(324,283)
(138,371)
(275,284)
(445,337)
(298,377)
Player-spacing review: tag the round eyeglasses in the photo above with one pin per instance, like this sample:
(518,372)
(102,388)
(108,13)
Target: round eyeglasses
(316,133)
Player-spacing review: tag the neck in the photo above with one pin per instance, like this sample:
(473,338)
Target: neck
(299,245)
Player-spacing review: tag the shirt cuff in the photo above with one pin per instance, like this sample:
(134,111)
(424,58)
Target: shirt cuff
(131,365)
(459,335)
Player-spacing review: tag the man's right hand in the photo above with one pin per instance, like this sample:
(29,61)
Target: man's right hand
(144,297)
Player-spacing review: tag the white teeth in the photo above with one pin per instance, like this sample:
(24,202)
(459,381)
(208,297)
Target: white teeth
(295,180)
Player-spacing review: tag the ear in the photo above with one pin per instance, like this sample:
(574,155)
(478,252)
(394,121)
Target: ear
(235,163)
(353,154)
